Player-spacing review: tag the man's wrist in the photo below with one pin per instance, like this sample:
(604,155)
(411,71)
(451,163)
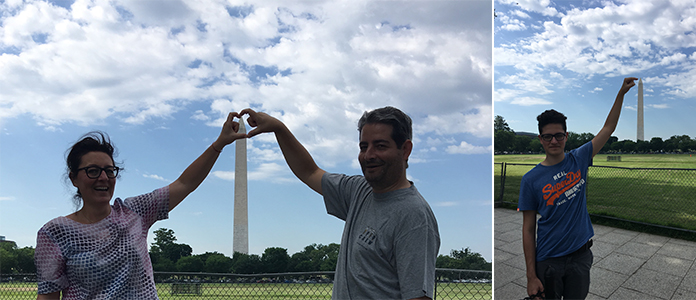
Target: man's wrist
(531,276)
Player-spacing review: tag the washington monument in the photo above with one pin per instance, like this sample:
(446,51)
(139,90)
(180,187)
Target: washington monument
(640,136)
(240,239)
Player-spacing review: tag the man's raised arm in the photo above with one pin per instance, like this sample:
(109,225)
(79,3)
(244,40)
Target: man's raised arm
(613,119)
(298,158)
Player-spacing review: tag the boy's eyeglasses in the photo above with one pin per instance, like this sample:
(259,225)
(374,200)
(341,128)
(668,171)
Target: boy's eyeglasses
(547,137)
(95,172)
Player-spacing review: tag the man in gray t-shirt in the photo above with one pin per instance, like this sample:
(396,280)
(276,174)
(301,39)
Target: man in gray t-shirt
(390,241)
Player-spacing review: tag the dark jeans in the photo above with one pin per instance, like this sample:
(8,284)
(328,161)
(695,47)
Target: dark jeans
(571,273)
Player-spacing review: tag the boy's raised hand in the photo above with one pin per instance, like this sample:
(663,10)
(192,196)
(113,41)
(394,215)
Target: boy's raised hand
(628,83)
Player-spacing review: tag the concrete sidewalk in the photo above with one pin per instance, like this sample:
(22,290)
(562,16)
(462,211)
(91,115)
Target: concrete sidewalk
(627,265)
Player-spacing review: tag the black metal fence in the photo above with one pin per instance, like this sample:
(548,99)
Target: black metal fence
(661,197)
(451,284)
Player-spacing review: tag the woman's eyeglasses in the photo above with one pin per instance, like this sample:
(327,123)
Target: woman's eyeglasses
(95,172)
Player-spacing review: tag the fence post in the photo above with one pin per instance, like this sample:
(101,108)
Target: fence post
(502,181)
(435,291)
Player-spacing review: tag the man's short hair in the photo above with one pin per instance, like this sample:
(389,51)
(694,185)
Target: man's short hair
(401,123)
(551,117)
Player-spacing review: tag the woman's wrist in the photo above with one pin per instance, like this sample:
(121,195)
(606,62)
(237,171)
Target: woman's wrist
(215,148)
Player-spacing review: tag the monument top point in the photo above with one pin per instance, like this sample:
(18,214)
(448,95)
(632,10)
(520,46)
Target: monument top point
(242,127)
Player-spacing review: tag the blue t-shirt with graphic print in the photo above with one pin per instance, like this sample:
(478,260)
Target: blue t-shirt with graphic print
(558,194)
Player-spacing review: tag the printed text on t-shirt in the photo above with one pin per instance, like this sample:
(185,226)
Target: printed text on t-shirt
(551,192)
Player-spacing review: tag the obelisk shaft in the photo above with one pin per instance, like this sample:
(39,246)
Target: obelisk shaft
(640,132)
(240,240)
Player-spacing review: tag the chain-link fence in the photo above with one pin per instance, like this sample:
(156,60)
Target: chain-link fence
(463,284)
(660,197)
(451,284)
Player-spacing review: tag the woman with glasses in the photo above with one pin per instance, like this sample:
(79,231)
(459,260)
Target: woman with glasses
(100,251)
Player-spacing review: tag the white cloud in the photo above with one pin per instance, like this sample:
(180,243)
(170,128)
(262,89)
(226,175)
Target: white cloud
(7,198)
(272,172)
(432,143)
(200,116)
(515,26)
(505,94)
(659,106)
(157,177)
(520,14)
(529,101)
(224,175)
(613,39)
(672,59)
(477,122)
(532,84)
(86,66)
(537,6)
(446,204)
(415,159)
(466,148)
(512,24)
(266,154)
(315,66)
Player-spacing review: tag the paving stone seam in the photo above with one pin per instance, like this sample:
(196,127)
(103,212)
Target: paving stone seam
(682,279)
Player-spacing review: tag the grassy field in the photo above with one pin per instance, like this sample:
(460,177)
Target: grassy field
(289,291)
(253,291)
(662,197)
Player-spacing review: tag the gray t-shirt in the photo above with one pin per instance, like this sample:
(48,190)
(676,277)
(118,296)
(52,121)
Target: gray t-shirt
(390,241)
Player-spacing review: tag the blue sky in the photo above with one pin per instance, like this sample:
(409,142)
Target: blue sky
(160,76)
(573,55)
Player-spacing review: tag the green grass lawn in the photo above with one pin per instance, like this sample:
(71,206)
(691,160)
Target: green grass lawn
(662,197)
(253,291)
(289,291)
(445,291)
(468,291)
(11,291)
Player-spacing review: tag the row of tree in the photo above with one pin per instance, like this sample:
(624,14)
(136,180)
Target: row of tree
(169,256)
(16,260)
(506,140)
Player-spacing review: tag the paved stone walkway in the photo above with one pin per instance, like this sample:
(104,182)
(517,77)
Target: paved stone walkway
(627,265)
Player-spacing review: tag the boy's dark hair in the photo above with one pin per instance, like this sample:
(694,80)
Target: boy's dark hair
(91,141)
(551,117)
(401,123)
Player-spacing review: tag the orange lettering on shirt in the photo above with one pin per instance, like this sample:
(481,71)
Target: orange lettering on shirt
(551,192)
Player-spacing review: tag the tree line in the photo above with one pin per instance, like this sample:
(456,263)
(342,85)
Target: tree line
(169,256)
(16,260)
(507,141)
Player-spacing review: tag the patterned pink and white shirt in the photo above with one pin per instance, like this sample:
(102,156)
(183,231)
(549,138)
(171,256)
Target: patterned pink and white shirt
(104,260)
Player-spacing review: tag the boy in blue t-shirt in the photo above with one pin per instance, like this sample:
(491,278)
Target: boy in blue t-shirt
(555,189)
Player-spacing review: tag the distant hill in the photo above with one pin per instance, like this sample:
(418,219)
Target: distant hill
(529,134)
